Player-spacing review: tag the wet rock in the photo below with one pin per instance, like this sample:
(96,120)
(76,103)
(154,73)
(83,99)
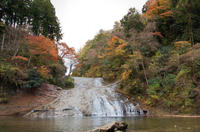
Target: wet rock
(66,109)
(58,88)
(112,127)
(145,112)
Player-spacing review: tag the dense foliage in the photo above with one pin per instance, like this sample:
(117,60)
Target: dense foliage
(154,55)
(29,58)
(38,15)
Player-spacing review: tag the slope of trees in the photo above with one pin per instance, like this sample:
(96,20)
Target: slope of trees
(154,55)
(29,58)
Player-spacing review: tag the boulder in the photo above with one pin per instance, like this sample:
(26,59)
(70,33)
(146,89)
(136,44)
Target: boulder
(112,127)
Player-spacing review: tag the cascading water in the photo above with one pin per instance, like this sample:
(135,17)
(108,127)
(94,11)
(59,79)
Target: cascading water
(91,98)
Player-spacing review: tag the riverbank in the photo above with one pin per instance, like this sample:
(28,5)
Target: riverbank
(23,102)
(155,112)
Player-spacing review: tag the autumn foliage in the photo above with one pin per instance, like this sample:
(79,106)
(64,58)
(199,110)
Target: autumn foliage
(44,72)
(68,55)
(20,58)
(182,44)
(66,51)
(116,47)
(39,45)
(158,8)
(152,55)
(158,34)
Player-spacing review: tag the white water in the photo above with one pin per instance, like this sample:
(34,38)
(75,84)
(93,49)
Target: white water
(91,98)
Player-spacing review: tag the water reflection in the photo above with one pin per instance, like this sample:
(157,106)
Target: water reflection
(75,124)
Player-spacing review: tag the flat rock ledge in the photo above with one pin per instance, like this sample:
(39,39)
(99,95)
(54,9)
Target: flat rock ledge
(112,127)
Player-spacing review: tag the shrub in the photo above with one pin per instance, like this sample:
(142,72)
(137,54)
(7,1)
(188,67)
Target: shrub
(158,85)
(69,82)
(11,77)
(34,80)
(154,86)
(132,87)
(3,95)
(57,70)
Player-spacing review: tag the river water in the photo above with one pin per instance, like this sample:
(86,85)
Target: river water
(81,124)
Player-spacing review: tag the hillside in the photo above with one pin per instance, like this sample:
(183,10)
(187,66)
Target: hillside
(30,51)
(154,55)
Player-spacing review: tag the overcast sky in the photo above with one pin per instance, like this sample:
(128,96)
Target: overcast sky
(81,20)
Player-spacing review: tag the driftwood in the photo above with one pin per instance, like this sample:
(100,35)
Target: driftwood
(112,127)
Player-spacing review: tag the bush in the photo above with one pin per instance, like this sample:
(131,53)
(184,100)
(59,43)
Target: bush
(57,70)
(34,80)
(3,95)
(154,86)
(69,82)
(158,85)
(132,87)
(11,77)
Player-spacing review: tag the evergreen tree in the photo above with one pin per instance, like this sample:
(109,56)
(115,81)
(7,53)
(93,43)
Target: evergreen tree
(44,20)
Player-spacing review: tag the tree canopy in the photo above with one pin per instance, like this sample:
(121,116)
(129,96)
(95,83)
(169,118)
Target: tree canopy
(39,15)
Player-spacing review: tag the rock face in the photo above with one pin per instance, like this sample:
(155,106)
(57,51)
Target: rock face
(112,127)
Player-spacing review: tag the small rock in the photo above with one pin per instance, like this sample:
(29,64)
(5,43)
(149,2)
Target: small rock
(145,112)
(58,88)
(66,109)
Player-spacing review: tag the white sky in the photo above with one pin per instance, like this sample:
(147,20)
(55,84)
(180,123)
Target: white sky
(81,20)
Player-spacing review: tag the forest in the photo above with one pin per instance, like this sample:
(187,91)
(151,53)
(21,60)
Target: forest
(155,55)
(30,51)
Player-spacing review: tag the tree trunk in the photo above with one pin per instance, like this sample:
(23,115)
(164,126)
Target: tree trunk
(70,69)
(3,40)
(29,60)
(17,49)
(145,75)
(190,30)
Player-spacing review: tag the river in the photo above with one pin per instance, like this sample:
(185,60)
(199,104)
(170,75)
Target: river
(81,124)
(91,104)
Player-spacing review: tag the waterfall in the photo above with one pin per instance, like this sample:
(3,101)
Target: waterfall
(106,102)
(90,97)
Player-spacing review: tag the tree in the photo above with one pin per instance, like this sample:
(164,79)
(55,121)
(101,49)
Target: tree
(187,12)
(42,48)
(132,20)
(44,20)
(158,9)
(15,12)
(37,14)
(68,55)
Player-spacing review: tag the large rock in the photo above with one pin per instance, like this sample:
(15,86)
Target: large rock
(112,127)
